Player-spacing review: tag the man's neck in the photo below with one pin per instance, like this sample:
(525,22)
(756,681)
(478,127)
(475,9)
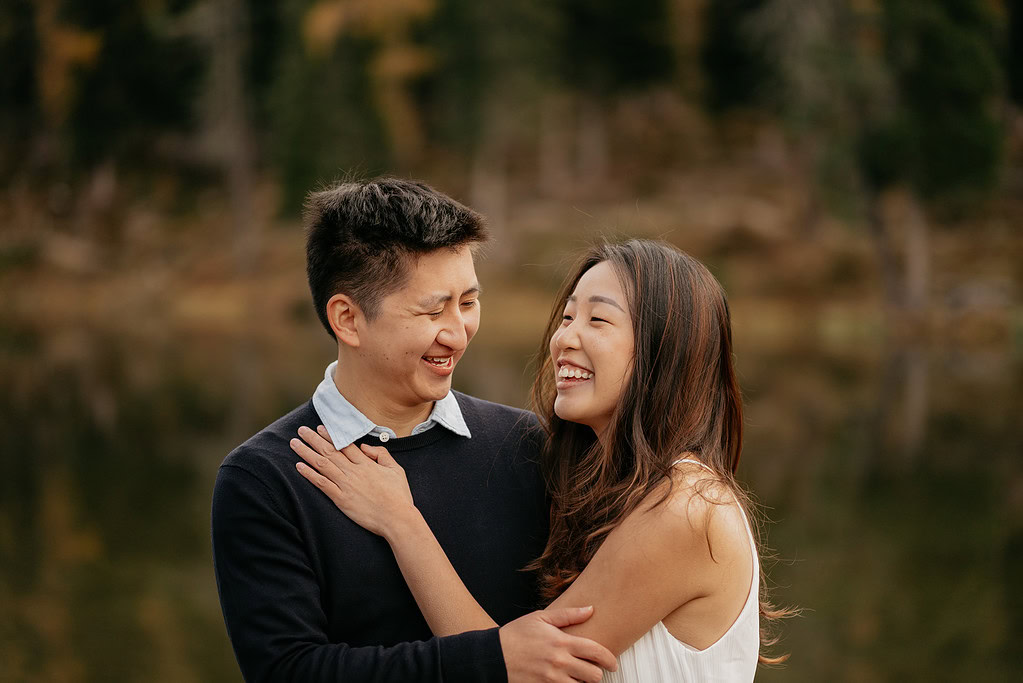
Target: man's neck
(360,393)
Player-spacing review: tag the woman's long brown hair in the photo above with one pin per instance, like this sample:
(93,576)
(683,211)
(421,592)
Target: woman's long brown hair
(681,398)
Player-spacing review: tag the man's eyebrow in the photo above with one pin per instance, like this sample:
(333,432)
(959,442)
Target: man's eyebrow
(597,299)
(438,299)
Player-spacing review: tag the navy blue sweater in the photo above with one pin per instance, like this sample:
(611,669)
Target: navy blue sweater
(309,596)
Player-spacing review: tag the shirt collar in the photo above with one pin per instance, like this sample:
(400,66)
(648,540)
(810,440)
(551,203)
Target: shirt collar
(345,423)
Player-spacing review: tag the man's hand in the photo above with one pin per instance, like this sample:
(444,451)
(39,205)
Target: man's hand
(536,650)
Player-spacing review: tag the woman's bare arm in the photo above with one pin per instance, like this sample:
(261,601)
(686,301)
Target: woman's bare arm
(657,560)
(444,600)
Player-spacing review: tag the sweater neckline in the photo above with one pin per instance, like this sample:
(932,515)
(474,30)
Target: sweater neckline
(409,443)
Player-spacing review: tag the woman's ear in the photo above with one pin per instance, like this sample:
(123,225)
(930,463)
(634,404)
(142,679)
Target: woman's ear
(344,316)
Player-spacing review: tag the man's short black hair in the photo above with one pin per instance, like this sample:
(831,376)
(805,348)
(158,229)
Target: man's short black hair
(363,237)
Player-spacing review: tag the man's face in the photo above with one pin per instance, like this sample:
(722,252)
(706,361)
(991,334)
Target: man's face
(421,331)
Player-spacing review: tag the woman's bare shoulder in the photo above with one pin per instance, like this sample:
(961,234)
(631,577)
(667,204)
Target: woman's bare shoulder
(695,509)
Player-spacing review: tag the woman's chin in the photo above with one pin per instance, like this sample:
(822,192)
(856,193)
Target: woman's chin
(566,413)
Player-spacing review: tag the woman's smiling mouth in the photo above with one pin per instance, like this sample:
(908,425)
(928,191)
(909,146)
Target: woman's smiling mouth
(570,375)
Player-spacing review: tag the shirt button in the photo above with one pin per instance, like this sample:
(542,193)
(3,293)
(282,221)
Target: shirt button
(384,437)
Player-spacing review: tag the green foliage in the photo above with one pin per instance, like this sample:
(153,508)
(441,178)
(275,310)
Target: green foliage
(321,119)
(885,151)
(735,68)
(894,92)
(1014,56)
(608,48)
(19,96)
(267,32)
(486,53)
(943,137)
(143,83)
(452,94)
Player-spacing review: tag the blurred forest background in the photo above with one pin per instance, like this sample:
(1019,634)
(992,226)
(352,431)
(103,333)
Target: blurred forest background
(851,170)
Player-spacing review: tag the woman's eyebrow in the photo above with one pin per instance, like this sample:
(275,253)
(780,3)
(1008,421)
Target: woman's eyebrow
(597,299)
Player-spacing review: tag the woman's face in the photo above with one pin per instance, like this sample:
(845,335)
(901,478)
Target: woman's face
(592,350)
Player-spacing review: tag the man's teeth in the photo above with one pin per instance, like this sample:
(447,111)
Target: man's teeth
(568,371)
(439,362)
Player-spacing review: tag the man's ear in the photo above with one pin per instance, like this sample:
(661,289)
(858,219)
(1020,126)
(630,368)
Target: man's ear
(345,318)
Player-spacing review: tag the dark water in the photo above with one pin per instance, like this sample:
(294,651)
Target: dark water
(893,475)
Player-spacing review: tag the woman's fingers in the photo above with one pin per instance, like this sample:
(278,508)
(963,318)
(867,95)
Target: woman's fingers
(321,463)
(380,454)
(354,455)
(321,442)
(321,482)
(323,446)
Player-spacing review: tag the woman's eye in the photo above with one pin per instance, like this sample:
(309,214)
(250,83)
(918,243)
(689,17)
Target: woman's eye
(599,320)
(470,304)
(566,318)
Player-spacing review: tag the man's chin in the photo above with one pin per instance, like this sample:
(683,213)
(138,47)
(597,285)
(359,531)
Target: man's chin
(436,389)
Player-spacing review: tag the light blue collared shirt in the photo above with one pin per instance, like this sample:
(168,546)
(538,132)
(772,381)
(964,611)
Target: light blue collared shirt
(345,423)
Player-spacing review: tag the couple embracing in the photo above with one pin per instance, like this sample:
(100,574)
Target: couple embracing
(391,529)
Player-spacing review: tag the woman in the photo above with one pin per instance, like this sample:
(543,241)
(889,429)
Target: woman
(644,431)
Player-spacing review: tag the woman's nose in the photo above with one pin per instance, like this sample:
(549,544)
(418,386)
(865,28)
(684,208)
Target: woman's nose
(566,337)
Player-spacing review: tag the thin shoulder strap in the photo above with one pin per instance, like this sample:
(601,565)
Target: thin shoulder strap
(749,528)
(703,465)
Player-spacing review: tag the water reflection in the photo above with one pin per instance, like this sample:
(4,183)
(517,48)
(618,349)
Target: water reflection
(893,473)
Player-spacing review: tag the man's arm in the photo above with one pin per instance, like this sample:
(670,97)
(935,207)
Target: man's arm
(271,603)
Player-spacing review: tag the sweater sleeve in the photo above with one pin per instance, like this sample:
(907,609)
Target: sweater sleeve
(271,603)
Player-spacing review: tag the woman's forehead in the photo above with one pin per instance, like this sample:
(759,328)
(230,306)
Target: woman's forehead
(601,282)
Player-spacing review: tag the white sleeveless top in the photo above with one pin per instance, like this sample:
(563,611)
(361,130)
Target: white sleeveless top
(658,657)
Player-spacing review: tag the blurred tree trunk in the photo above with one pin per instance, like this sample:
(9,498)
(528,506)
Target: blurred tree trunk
(918,256)
(915,401)
(897,426)
(553,156)
(235,136)
(592,153)
(488,189)
(897,213)
(398,61)
(92,214)
(885,254)
(688,28)
(805,157)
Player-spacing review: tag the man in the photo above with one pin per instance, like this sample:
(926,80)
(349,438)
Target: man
(307,594)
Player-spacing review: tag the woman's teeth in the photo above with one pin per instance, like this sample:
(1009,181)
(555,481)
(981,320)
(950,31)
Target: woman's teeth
(439,362)
(569,372)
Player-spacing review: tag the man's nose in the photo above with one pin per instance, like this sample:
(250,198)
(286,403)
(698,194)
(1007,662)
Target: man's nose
(453,335)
